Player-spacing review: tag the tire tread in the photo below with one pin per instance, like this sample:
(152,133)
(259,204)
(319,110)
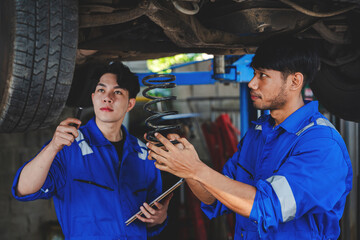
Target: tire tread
(43,66)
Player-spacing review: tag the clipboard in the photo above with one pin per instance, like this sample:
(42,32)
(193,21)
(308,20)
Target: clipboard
(159,198)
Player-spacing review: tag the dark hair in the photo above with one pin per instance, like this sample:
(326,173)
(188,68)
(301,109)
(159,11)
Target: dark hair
(124,77)
(288,55)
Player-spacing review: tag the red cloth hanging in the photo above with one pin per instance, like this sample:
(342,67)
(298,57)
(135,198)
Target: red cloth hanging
(221,139)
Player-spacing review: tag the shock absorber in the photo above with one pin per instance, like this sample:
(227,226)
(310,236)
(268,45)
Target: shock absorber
(154,122)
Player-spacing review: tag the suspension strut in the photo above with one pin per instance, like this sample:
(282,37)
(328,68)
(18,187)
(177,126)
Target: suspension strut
(154,122)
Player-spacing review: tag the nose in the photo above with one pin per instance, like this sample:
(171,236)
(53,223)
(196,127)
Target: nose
(108,99)
(253,83)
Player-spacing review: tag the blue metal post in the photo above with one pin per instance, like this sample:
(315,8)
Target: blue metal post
(244,114)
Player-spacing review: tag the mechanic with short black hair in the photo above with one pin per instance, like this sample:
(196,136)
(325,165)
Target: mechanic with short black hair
(291,174)
(98,175)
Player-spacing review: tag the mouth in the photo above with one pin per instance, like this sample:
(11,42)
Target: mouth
(106,109)
(254,96)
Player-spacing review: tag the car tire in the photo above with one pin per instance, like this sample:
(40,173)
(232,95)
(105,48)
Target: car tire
(338,89)
(38,41)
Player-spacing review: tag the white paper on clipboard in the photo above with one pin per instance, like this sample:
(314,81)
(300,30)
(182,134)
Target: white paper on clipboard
(159,198)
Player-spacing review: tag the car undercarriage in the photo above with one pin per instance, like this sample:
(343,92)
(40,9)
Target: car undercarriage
(59,37)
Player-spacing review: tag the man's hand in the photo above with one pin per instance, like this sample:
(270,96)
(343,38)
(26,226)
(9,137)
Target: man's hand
(34,173)
(208,184)
(171,137)
(181,160)
(64,134)
(155,216)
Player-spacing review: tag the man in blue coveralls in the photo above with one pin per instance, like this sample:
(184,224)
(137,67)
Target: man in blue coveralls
(98,174)
(291,174)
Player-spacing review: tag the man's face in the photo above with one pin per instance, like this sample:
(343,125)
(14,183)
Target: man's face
(268,89)
(111,102)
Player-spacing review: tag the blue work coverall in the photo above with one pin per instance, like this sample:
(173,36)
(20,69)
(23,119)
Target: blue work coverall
(93,195)
(302,172)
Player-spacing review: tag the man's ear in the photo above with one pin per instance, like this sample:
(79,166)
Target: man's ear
(297,80)
(131,105)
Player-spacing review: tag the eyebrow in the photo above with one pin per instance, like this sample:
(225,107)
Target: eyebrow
(104,85)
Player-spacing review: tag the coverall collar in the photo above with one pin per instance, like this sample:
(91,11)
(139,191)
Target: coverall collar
(96,137)
(295,121)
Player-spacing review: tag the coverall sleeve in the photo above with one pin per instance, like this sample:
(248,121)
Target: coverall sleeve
(312,180)
(155,190)
(55,180)
(217,208)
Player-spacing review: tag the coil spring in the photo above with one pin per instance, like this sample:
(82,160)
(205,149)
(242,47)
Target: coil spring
(152,82)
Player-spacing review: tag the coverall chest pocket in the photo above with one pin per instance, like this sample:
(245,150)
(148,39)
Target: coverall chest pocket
(93,206)
(93,183)
(137,189)
(87,191)
(244,174)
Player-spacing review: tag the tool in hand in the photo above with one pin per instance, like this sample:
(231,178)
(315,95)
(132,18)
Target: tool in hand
(77,116)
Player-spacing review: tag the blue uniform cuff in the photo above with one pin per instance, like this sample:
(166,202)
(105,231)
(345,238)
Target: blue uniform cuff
(265,211)
(43,193)
(209,210)
(14,186)
(156,230)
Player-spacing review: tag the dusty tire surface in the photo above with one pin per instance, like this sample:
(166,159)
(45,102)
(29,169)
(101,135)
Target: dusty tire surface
(338,90)
(38,40)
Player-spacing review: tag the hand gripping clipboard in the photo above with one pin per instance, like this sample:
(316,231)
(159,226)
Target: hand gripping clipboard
(159,198)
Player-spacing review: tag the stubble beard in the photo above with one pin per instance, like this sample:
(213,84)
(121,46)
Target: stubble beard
(276,103)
